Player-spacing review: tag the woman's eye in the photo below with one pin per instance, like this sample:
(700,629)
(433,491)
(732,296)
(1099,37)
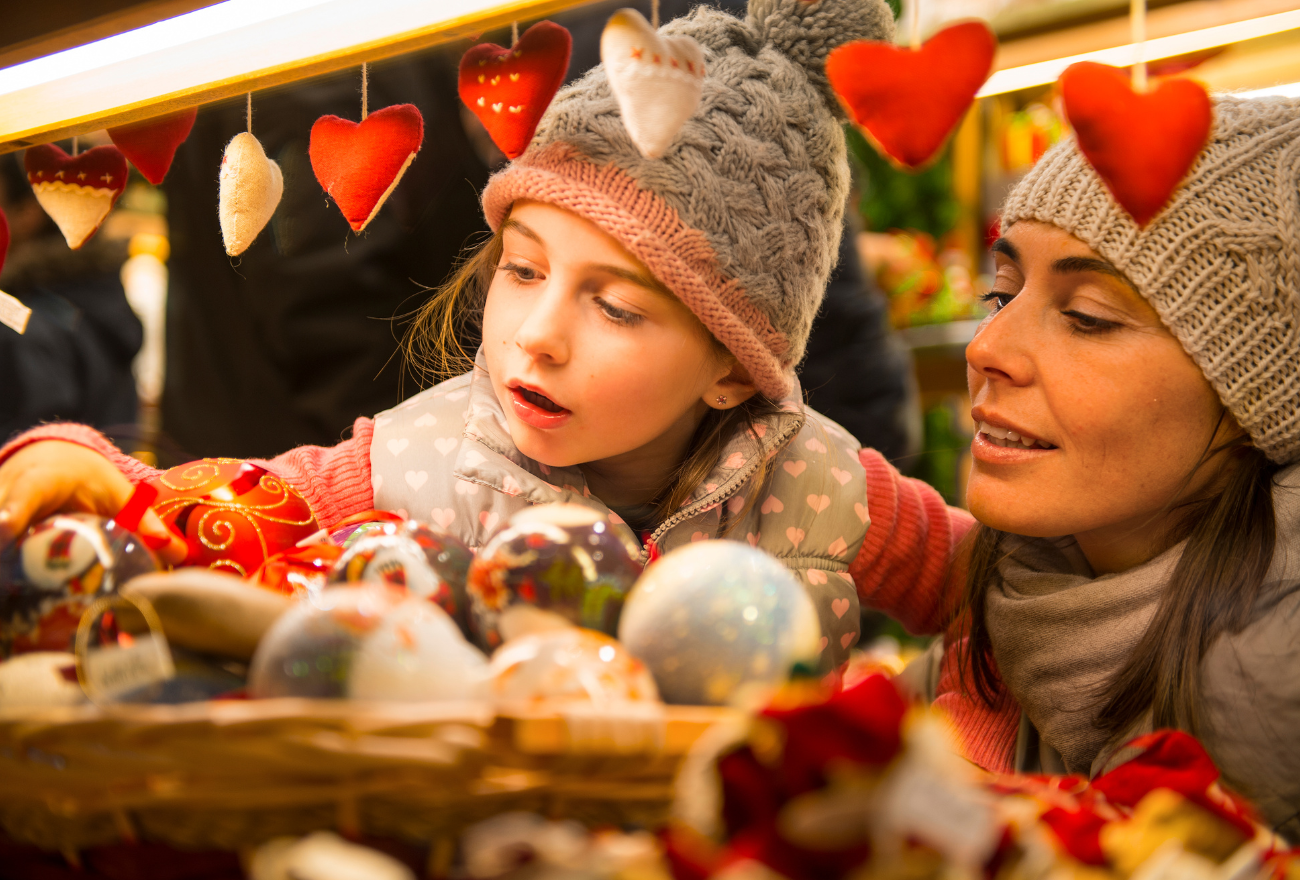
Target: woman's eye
(617,315)
(997,300)
(1085,323)
(522,274)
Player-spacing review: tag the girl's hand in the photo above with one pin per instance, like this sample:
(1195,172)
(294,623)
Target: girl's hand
(53,476)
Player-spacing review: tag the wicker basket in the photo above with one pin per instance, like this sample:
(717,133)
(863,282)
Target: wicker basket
(230,775)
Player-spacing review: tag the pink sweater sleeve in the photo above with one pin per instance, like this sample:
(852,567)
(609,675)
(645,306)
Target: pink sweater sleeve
(906,565)
(335,480)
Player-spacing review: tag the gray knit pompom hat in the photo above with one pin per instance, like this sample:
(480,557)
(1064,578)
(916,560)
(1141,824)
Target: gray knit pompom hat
(741,216)
(1220,264)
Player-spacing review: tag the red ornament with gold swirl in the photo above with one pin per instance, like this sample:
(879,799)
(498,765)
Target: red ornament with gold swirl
(233,514)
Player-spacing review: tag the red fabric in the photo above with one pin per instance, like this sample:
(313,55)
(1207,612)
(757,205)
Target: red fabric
(909,100)
(151,145)
(359,163)
(510,89)
(4,237)
(1141,145)
(101,168)
(335,481)
(909,566)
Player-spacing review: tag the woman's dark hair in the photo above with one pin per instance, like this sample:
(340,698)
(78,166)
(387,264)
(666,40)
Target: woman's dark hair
(432,346)
(1230,540)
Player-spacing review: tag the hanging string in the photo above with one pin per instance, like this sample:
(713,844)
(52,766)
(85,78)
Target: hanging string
(365,93)
(1137,18)
(914,24)
(654,14)
(248,114)
(75,148)
(514,33)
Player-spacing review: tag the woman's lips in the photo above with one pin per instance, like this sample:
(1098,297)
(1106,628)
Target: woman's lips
(532,414)
(986,451)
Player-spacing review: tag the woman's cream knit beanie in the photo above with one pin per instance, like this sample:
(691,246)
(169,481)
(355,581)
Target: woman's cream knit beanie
(1220,264)
(741,216)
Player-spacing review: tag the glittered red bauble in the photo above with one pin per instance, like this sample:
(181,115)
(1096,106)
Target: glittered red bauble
(232,514)
(510,89)
(360,163)
(298,571)
(909,100)
(1141,144)
(151,145)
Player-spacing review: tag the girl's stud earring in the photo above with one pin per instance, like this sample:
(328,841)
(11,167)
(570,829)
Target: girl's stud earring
(722,400)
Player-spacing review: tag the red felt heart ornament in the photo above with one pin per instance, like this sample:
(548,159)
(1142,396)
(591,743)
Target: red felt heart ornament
(1143,144)
(360,163)
(4,238)
(510,89)
(76,191)
(151,145)
(908,101)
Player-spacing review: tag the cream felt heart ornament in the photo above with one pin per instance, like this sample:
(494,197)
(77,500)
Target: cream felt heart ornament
(657,80)
(249,190)
(76,191)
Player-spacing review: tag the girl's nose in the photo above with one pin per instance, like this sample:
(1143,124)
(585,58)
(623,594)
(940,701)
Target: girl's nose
(998,351)
(544,333)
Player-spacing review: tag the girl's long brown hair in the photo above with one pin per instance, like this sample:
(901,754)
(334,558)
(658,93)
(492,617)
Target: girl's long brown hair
(434,351)
(1213,589)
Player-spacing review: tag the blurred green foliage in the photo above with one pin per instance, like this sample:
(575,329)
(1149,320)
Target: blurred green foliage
(893,199)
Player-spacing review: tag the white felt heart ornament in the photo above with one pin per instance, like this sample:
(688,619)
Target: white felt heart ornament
(250,188)
(657,80)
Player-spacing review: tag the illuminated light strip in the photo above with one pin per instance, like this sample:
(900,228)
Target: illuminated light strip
(1014,79)
(221,51)
(1290,90)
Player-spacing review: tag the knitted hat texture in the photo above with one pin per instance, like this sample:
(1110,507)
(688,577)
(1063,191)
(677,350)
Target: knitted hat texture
(741,216)
(1220,264)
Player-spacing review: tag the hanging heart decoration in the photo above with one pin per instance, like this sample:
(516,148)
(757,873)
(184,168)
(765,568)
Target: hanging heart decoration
(657,80)
(76,191)
(249,189)
(908,101)
(151,145)
(13,313)
(510,89)
(360,163)
(1140,144)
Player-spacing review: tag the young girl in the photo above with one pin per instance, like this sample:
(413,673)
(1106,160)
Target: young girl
(1137,391)
(641,319)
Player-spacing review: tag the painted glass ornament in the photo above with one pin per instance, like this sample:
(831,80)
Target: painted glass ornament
(565,558)
(569,664)
(55,571)
(369,642)
(716,617)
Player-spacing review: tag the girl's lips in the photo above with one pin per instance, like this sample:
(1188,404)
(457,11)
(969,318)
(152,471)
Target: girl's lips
(531,414)
(991,453)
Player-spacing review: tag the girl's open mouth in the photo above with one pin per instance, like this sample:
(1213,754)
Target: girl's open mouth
(536,409)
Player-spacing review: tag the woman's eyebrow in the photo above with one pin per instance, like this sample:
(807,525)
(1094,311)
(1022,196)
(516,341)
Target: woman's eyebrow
(1067,265)
(1006,248)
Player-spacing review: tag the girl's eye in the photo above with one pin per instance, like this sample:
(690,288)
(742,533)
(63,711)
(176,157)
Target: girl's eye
(996,300)
(1085,323)
(617,315)
(522,274)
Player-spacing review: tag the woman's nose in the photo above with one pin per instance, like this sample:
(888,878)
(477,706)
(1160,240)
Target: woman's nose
(999,351)
(544,333)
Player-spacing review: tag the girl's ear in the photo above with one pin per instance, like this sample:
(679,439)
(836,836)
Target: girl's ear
(732,389)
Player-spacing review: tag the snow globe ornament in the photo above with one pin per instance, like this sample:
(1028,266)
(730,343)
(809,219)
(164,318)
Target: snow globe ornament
(428,563)
(569,664)
(50,576)
(565,558)
(717,617)
(366,642)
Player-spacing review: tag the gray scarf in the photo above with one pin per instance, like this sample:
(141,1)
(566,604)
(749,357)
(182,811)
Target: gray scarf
(1059,633)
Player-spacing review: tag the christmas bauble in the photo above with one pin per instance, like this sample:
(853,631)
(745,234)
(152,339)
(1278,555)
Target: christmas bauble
(55,571)
(428,563)
(233,514)
(565,558)
(568,664)
(714,617)
(298,571)
(369,641)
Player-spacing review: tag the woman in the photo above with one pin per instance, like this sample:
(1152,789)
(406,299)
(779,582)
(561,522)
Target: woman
(1136,391)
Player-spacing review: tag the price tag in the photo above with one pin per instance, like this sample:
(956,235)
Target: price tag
(113,671)
(13,313)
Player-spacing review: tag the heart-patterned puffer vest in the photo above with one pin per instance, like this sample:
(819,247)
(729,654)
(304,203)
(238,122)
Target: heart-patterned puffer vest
(445,456)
